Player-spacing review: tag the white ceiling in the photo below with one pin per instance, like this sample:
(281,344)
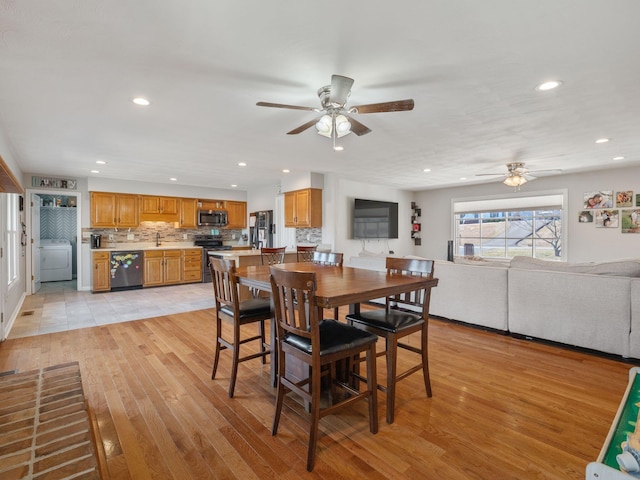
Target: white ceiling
(70,68)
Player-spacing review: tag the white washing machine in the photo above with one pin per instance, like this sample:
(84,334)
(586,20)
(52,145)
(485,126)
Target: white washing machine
(55,260)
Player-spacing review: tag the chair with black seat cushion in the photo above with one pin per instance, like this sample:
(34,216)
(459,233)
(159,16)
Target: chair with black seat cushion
(272,255)
(305,254)
(303,337)
(228,305)
(328,258)
(396,321)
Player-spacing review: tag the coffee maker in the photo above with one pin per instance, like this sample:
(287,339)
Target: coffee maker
(96,240)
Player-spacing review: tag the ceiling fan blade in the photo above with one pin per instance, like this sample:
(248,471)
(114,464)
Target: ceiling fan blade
(340,89)
(358,128)
(303,127)
(396,106)
(491,174)
(281,105)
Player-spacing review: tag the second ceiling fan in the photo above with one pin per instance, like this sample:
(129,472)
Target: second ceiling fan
(337,121)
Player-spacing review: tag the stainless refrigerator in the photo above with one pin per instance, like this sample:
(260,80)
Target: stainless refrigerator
(261,229)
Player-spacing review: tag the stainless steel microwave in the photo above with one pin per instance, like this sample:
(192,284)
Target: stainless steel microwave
(212,218)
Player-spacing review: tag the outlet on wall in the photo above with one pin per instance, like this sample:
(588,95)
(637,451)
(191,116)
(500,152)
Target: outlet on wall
(111,237)
(184,236)
(130,236)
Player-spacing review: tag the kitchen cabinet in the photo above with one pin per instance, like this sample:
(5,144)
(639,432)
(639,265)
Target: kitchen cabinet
(188,213)
(114,210)
(236,214)
(162,267)
(303,208)
(159,209)
(191,265)
(101,272)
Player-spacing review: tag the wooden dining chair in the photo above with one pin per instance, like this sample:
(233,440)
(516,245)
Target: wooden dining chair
(303,336)
(328,258)
(395,321)
(272,255)
(305,254)
(228,305)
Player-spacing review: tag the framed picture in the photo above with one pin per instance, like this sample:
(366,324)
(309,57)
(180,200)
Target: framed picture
(624,199)
(598,199)
(608,218)
(585,217)
(630,220)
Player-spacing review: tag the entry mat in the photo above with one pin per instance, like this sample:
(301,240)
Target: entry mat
(45,431)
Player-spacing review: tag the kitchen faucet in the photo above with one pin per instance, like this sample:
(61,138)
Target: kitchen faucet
(157,239)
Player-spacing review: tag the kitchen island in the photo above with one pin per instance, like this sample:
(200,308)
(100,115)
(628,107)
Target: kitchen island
(247,258)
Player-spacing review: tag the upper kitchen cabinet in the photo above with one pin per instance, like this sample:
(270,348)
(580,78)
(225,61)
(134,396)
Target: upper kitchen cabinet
(159,209)
(188,213)
(114,210)
(303,208)
(236,214)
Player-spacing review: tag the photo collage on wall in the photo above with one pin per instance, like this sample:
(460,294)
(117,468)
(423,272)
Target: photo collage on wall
(607,210)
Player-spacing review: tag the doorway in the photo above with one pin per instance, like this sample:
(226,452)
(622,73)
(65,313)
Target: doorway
(53,215)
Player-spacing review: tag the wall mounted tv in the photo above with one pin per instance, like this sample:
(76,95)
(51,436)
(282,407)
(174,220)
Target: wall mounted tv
(374,219)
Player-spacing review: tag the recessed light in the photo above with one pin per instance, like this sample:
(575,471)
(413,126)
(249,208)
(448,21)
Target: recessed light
(618,158)
(101,162)
(242,164)
(550,85)
(173,179)
(234,185)
(426,170)
(95,171)
(463,178)
(286,170)
(602,140)
(141,101)
(338,148)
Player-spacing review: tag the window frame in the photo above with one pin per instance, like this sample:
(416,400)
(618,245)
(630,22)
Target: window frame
(493,205)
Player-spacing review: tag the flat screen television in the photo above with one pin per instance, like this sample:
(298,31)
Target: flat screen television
(374,219)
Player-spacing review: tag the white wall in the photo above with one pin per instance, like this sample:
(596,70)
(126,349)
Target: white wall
(338,196)
(585,242)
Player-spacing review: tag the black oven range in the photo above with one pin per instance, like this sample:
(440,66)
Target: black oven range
(208,243)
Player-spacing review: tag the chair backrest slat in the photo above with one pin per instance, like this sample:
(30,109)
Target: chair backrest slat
(225,282)
(415,267)
(294,298)
(304,253)
(272,255)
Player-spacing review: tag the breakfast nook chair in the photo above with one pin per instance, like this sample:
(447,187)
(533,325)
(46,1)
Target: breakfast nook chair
(228,305)
(304,338)
(328,258)
(305,254)
(272,255)
(395,321)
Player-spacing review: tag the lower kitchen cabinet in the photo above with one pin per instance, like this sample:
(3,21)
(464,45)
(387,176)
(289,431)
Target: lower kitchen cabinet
(192,265)
(101,281)
(162,267)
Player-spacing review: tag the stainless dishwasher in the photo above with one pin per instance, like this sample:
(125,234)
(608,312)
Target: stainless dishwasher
(126,270)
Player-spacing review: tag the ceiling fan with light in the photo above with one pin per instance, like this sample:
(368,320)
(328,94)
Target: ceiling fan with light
(336,121)
(517,174)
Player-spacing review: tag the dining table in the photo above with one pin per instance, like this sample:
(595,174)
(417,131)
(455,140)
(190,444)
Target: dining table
(335,286)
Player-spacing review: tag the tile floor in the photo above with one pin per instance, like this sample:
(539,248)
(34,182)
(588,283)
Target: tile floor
(58,306)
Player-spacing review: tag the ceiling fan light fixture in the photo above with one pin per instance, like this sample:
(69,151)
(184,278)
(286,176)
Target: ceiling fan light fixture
(343,126)
(324,126)
(514,180)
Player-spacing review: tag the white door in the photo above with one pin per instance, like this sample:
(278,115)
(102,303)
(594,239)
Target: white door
(3,260)
(35,242)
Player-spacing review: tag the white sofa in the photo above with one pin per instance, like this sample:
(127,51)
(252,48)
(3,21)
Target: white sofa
(594,306)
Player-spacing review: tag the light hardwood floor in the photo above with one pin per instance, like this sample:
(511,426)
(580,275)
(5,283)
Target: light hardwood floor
(502,408)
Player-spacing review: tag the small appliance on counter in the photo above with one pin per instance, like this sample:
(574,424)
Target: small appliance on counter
(96,240)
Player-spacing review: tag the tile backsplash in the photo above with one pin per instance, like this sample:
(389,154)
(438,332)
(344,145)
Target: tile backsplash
(146,233)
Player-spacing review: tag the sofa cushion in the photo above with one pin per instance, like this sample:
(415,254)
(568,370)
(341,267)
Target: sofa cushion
(627,268)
